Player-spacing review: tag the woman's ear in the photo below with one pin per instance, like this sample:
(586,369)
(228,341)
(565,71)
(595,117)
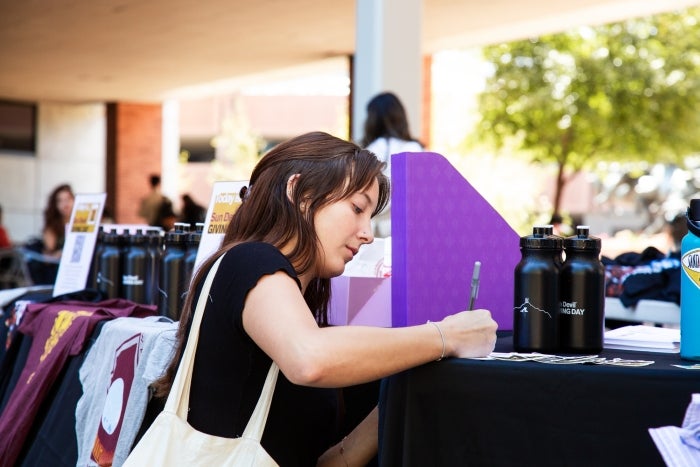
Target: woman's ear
(291,186)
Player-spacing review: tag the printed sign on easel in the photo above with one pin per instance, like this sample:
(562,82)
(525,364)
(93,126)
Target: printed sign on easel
(225,199)
(79,246)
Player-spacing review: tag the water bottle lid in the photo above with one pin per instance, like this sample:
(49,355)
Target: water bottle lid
(692,216)
(181,227)
(175,237)
(193,238)
(155,237)
(112,237)
(582,240)
(540,240)
(138,238)
(694,210)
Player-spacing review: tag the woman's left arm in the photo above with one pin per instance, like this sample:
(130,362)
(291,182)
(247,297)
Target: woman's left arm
(357,448)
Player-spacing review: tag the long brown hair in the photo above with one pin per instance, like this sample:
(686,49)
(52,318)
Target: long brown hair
(330,169)
(53,218)
(386,118)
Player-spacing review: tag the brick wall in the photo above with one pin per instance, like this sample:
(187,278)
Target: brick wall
(134,151)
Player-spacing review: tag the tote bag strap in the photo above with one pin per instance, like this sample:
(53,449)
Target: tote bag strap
(179,397)
(256,425)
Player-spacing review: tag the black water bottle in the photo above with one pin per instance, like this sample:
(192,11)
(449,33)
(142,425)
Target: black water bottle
(582,293)
(95,262)
(549,231)
(155,257)
(191,251)
(172,283)
(135,271)
(110,266)
(536,297)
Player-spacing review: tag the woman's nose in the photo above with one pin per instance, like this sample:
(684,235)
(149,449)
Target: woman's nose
(366,234)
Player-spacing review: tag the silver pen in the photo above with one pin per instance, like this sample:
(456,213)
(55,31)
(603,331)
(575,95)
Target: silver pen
(474,289)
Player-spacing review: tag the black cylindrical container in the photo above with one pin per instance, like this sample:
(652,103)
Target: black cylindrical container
(95,263)
(172,275)
(536,298)
(136,270)
(155,257)
(549,231)
(191,251)
(582,293)
(110,266)
(181,227)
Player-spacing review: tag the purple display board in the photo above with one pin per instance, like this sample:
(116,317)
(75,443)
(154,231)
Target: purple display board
(440,226)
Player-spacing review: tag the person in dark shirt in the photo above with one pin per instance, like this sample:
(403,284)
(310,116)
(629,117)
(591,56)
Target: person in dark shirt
(191,212)
(306,213)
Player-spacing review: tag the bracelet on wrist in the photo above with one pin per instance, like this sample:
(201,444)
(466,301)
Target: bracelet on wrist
(442,338)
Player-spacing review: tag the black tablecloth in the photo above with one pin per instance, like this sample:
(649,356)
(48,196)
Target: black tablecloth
(461,412)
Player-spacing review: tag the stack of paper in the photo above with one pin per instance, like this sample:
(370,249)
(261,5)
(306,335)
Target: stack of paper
(644,338)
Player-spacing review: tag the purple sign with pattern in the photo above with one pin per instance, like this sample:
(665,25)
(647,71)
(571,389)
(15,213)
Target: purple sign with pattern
(440,226)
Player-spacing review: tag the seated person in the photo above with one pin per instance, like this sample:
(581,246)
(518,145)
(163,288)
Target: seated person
(56,217)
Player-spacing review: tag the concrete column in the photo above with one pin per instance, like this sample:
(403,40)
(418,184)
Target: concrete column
(170,177)
(387,58)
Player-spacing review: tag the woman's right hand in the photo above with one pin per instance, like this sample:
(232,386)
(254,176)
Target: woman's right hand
(469,333)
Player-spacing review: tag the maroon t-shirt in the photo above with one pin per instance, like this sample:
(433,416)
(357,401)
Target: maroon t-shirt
(59,330)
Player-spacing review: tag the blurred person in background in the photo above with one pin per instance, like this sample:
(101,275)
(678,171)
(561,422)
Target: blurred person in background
(166,215)
(387,133)
(56,217)
(151,207)
(42,255)
(4,238)
(191,212)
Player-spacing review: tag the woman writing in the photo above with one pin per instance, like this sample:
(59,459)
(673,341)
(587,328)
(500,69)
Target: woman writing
(305,215)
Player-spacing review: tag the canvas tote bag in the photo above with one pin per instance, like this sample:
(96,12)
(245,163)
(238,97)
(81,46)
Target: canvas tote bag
(171,441)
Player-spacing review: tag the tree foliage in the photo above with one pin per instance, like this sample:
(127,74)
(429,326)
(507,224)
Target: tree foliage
(621,91)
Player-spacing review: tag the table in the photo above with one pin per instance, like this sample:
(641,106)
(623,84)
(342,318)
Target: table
(462,412)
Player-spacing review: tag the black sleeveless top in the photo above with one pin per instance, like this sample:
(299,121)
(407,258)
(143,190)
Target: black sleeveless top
(230,369)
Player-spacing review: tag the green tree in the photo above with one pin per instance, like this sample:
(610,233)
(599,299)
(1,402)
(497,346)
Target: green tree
(622,91)
(238,147)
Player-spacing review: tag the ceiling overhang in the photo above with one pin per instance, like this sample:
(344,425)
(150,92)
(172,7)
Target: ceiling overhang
(127,50)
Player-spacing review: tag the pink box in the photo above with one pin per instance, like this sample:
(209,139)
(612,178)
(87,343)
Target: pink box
(362,301)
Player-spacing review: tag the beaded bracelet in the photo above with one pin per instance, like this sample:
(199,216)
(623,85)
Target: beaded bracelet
(442,337)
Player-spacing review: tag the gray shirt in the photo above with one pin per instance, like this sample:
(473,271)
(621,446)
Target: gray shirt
(128,355)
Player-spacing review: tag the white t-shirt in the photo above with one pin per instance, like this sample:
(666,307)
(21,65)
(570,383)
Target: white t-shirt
(385,147)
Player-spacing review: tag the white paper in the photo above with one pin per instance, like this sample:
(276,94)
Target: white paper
(640,337)
(81,236)
(225,200)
